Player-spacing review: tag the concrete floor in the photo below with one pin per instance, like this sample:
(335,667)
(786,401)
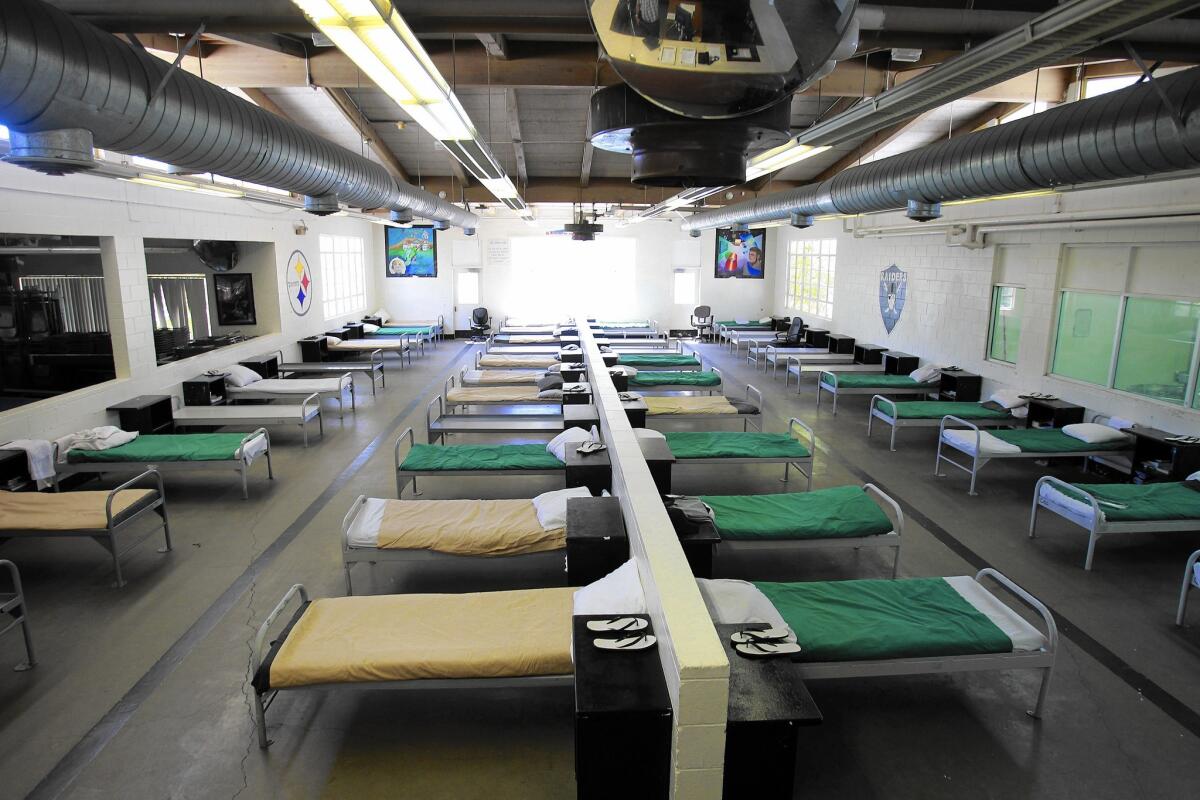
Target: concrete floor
(140,692)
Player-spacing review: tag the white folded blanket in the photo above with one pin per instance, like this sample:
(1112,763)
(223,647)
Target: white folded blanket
(733,602)
(988,445)
(104,437)
(39,455)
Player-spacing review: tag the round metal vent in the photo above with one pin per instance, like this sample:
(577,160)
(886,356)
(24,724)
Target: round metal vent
(59,152)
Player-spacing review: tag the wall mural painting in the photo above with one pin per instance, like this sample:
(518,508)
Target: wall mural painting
(893,287)
(411,252)
(741,254)
(299,283)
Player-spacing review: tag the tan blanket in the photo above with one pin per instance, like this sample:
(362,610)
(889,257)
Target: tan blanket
(688,405)
(516,361)
(467,527)
(413,636)
(492,394)
(528,338)
(510,376)
(359,345)
(62,511)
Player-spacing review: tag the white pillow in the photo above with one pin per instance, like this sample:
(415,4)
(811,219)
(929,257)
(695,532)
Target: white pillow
(332,341)
(733,602)
(1094,433)
(554,368)
(1008,398)
(558,445)
(551,507)
(237,375)
(618,592)
(765,320)
(550,394)
(1195,476)
(648,433)
(925,374)
(382,314)
(370,327)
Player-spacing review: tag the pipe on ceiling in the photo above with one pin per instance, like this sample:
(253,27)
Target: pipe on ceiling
(1123,134)
(66,84)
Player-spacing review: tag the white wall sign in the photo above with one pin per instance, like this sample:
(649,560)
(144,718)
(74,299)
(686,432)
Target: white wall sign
(499,252)
(299,283)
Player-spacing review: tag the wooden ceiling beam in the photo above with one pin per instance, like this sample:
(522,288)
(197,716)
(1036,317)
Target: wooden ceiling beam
(350,112)
(585,171)
(514,129)
(871,146)
(260,99)
(496,44)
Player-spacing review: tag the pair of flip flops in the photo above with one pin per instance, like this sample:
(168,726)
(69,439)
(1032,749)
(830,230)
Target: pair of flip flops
(591,447)
(1182,439)
(626,397)
(622,633)
(763,643)
(1037,396)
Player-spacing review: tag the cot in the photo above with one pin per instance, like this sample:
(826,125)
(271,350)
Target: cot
(982,446)
(414,641)
(374,347)
(499,377)
(839,517)
(522,395)
(726,327)
(373,369)
(533,420)
(521,338)
(708,409)
(659,361)
(102,516)
(175,452)
(511,361)
(768,352)
(1191,579)
(929,413)
(671,381)
(264,415)
(869,382)
(469,459)
(291,388)
(737,447)
(436,327)
(736,338)
(1108,509)
(12,604)
(420,334)
(800,365)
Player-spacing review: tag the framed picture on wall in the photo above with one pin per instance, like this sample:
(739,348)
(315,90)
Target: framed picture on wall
(741,254)
(410,252)
(235,298)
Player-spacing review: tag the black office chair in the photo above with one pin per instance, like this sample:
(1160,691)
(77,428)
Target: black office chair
(793,336)
(481,324)
(702,321)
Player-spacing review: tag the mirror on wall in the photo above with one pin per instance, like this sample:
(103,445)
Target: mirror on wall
(54,333)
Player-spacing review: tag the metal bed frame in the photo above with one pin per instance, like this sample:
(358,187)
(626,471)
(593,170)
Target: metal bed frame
(723,331)
(833,389)
(766,352)
(665,368)
(977,463)
(788,462)
(444,424)
(895,422)
(345,381)
(260,415)
(13,605)
(1099,526)
(747,420)
(1189,581)
(479,354)
(1041,660)
(673,388)
(369,368)
(264,700)
(404,476)
(404,348)
(534,374)
(818,363)
(438,326)
(736,338)
(372,555)
(529,401)
(238,460)
(115,524)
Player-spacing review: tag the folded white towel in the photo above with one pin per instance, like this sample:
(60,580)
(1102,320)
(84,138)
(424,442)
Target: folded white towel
(39,454)
(104,437)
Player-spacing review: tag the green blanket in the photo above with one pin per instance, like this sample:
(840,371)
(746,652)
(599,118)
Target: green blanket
(1151,501)
(745,325)
(676,378)
(734,444)
(166,447)
(873,380)
(657,360)
(1053,440)
(402,331)
(840,512)
(936,409)
(875,619)
(479,457)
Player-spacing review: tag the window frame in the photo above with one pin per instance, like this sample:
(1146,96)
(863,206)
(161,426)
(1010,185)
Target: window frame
(987,344)
(694,275)
(811,270)
(342,293)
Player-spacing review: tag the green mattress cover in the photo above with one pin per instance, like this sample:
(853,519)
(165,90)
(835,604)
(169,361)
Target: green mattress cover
(734,444)
(875,380)
(1053,440)
(745,325)
(1151,501)
(167,447)
(386,331)
(875,619)
(936,409)
(657,360)
(676,378)
(479,457)
(840,512)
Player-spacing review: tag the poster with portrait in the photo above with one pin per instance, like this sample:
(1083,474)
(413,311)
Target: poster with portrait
(741,254)
(235,298)
(411,252)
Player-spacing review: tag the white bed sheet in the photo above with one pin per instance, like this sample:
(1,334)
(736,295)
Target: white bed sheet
(254,448)
(1025,637)
(289,386)
(989,445)
(364,531)
(1075,510)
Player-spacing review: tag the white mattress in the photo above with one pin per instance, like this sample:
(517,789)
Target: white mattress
(1025,637)
(1075,510)
(964,440)
(478,376)
(367,345)
(254,448)
(289,386)
(241,413)
(364,531)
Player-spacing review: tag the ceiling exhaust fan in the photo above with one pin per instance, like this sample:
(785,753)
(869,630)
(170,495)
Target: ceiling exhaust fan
(583,227)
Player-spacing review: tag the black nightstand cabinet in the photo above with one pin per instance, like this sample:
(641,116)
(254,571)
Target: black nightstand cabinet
(816,337)
(698,549)
(580,416)
(204,390)
(596,539)
(897,363)
(146,414)
(840,343)
(593,470)
(570,356)
(636,411)
(868,354)
(1174,461)
(14,470)
(622,721)
(573,373)
(620,381)
(1053,414)
(354,330)
(313,349)
(373,321)
(266,365)
(960,386)
(577,397)
(610,359)
(660,460)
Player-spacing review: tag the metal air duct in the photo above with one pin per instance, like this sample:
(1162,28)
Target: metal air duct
(1124,134)
(60,74)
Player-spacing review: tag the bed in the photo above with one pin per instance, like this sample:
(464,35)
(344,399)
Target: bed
(521,338)
(469,459)
(727,326)
(839,517)
(102,516)
(1108,509)
(456,641)
(983,446)
(869,382)
(499,377)
(295,388)
(1191,579)
(375,529)
(913,626)
(259,415)
(737,338)
(737,447)
(462,396)
(511,361)
(694,408)
(929,413)
(659,361)
(418,333)
(436,327)
(702,380)
(532,421)
(768,352)
(372,347)
(175,452)
(12,605)
(800,365)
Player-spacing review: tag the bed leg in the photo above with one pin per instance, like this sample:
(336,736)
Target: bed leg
(1033,515)
(974,473)
(30,659)
(321,422)
(304,429)
(1091,551)
(1181,610)
(349,583)
(896,562)
(892,444)
(1043,690)
(260,721)
(835,404)
(270,469)
(166,526)
(116,559)
(245,484)
(786,467)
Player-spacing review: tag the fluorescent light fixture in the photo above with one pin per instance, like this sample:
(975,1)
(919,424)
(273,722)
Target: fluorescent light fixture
(502,188)
(777,158)
(166,182)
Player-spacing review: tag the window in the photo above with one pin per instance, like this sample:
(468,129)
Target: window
(552,274)
(79,298)
(810,276)
(1087,325)
(1005,338)
(344,274)
(685,287)
(467,287)
(180,302)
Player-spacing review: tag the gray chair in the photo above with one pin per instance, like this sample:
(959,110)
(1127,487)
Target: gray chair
(702,320)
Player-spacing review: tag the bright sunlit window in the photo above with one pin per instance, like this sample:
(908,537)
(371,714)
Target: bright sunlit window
(1027,110)
(553,275)
(467,287)
(686,286)
(811,265)
(1094,87)
(343,275)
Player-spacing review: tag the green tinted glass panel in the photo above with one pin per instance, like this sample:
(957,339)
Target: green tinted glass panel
(1087,325)
(1005,339)
(1158,338)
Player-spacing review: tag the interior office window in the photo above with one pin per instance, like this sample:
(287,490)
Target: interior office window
(344,272)
(1157,348)
(811,265)
(80,299)
(1004,339)
(1087,327)
(685,288)
(180,302)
